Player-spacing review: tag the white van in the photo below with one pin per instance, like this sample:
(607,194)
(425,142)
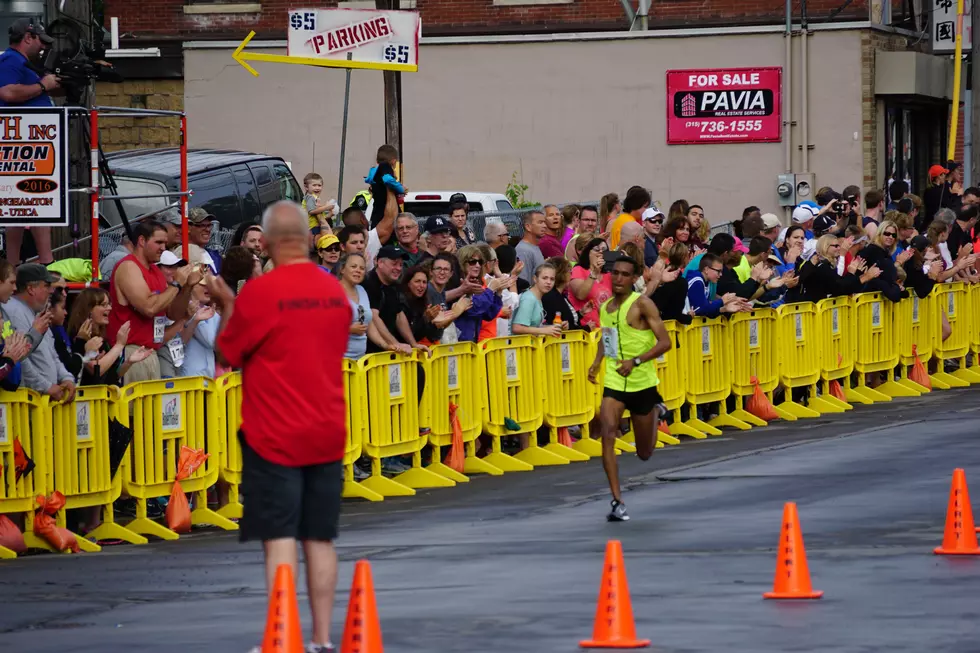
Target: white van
(436,202)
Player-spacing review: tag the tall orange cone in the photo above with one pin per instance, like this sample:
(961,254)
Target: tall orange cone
(283,633)
(792,573)
(614,627)
(960,537)
(362,633)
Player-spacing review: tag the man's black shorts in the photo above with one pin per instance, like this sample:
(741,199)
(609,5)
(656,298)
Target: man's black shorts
(641,402)
(289,502)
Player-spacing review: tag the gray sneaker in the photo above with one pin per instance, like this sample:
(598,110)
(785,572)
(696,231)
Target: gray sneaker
(618,512)
(320,648)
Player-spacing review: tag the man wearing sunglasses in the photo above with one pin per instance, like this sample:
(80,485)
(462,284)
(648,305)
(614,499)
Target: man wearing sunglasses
(653,222)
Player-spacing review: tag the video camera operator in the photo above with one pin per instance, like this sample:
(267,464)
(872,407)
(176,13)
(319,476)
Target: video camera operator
(22,86)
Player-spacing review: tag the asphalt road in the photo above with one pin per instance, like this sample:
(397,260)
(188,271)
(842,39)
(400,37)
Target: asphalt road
(513,563)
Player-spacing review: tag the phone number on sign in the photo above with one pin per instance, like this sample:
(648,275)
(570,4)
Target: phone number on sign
(725,126)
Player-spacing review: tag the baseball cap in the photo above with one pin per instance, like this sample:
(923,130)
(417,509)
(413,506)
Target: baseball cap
(32,272)
(652,213)
(740,246)
(804,212)
(199,215)
(823,223)
(23,26)
(436,225)
(168,258)
(937,170)
(391,252)
(326,240)
(770,221)
(920,243)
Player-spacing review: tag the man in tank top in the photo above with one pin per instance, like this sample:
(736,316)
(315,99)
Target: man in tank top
(633,336)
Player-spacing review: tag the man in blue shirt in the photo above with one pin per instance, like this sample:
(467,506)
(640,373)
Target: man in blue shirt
(21,86)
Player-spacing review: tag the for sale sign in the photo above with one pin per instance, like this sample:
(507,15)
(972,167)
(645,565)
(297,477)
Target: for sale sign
(33,170)
(384,40)
(727,105)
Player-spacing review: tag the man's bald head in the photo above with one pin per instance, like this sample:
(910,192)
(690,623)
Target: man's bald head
(286,231)
(630,232)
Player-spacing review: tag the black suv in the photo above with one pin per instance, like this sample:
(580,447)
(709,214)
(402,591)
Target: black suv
(234,186)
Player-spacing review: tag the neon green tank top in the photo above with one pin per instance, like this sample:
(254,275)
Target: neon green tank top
(622,342)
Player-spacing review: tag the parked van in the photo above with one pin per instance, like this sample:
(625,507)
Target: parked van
(233,186)
(436,202)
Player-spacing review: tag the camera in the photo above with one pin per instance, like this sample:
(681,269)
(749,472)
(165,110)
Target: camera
(77,62)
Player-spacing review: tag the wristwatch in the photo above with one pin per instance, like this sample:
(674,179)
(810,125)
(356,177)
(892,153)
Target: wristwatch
(43,90)
(637,361)
(174,284)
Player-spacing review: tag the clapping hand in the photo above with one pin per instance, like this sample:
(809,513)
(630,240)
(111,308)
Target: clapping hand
(16,347)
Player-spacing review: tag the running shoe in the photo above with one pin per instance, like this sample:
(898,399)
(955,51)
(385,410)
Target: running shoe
(320,648)
(361,470)
(618,512)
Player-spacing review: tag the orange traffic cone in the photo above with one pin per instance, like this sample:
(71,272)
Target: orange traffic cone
(663,427)
(362,633)
(792,573)
(283,633)
(614,627)
(960,537)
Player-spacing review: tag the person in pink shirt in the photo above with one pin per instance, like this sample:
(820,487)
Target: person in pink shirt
(549,243)
(590,287)
(569,215)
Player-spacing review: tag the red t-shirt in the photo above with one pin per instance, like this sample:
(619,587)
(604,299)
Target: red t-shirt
(140,326)
(288,335)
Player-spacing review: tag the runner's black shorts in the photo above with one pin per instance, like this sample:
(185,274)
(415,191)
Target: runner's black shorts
(289,502)
(641,402)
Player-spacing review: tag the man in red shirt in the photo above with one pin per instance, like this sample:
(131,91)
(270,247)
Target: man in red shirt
(292,457)
(142,296)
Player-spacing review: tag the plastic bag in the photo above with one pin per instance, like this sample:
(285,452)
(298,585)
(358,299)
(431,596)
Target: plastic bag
(23,465)
(563,436)
(837,391)
(10,536)
(45,527)
(759,404)
(919,374)
(178,509)
(455,458)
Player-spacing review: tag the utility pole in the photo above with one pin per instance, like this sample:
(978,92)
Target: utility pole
(974,169)
(393,96)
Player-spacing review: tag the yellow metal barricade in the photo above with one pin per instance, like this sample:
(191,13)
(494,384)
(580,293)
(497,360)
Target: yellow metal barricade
(24,419)
(165,416)
(229,389)
(836,342)
(974,290)
(564,369)
(454,375)
(798,353)
(514,396)
(911,328)
(753,337)
(671,372)
(707,350)
(81,469)
(953,300)
(877,348)
(355,390)
(391,404)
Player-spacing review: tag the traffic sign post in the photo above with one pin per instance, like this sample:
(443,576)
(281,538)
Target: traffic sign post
(364,39)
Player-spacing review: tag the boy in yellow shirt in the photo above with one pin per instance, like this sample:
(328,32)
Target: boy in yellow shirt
(319,212)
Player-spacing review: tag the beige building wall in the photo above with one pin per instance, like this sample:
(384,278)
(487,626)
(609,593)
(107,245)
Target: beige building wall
(575,119)
(130,133)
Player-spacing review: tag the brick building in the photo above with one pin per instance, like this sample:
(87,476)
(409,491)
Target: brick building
(494,73)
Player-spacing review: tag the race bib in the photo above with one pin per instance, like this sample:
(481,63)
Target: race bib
(176,347)
(610,342)
(159,326)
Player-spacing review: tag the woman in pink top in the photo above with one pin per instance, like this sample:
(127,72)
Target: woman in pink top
(590,287)
(569,215)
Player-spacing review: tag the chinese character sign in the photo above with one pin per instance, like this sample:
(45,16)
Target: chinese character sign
(33,170)
(943,20)
(719,105)
(387,39)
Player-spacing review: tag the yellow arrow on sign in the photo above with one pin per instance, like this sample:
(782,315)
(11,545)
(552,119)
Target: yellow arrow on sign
(243,58)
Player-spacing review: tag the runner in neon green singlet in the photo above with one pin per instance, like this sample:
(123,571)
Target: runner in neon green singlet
(633,335)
